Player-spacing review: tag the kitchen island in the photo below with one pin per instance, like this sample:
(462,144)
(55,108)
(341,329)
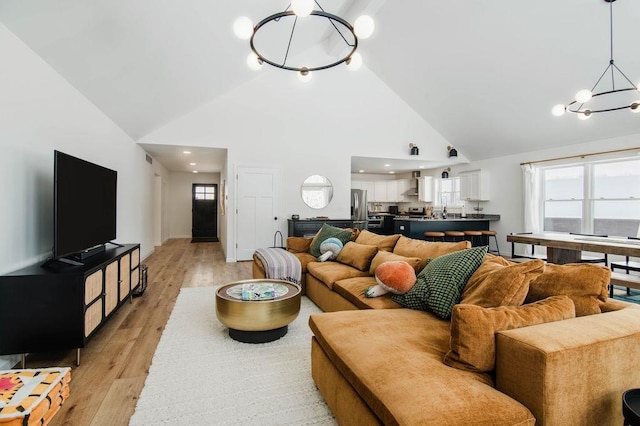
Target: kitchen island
(415,227)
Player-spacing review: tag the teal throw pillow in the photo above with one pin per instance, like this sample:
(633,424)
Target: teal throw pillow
(328,231)
(440,284)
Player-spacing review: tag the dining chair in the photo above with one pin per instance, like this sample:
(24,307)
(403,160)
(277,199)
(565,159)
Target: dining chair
(589,258)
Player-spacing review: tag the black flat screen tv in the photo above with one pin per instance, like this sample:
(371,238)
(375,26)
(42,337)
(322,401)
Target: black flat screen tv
(84,205)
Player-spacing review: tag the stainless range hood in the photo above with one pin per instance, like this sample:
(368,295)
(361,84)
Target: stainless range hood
(413,190)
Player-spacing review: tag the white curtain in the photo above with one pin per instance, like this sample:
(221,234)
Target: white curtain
(532,192)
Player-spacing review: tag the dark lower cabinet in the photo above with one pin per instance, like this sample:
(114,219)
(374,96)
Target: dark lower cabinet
(309,227)
(61,306)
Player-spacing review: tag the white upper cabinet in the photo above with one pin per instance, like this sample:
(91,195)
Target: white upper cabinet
(385,191)
(474,186)
(425,189)
(381,194)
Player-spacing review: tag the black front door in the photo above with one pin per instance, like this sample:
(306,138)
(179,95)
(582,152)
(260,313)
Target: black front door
(204,212)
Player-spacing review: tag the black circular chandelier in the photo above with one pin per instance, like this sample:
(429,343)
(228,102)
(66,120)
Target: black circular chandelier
(581,105)
(305,10)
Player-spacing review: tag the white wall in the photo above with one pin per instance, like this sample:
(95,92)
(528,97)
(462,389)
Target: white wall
(179,199)
(39,113)
(276,121)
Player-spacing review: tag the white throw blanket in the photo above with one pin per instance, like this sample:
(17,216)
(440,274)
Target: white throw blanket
(279,264)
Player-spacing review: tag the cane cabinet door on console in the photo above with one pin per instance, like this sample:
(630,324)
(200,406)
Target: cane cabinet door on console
(125,276)
(93,301)
(111,288)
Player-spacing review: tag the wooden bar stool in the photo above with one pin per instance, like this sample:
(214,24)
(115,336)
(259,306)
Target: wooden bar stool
(473,237)
(434,234)
(490,234)
(454,235)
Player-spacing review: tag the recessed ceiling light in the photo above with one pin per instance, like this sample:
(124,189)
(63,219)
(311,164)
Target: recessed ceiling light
(192,164)
(362,171)
(186,152)
(391,172)
(421,167)
(195,171)
(387,165)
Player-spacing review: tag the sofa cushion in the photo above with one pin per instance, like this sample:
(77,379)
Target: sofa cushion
(383,242)
(385,256)
(393,360)
(305,259)
(498,282)
(426,250)
(353,289)
(357,255)
(473,329)
(328,231)
(439,285)
(299,244)
(330,272)
(584,283)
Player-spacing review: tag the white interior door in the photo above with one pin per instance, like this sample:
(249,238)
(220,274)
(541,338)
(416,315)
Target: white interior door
(256,214)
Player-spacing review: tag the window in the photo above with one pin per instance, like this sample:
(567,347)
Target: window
(448,192)
(594,198)
(204,192)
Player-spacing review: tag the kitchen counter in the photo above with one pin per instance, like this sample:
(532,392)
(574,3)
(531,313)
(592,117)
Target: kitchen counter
(474,218)
(415,227)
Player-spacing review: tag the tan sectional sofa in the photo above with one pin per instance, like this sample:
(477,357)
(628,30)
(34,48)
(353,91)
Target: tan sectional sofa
(376,362)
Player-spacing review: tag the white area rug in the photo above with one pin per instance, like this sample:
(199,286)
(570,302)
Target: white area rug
(200,376)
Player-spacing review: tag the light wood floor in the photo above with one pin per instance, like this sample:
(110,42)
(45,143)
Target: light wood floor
(115,362)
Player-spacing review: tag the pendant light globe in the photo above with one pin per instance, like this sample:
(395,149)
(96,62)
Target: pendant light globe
(302,8)
(364,26)
(243,28)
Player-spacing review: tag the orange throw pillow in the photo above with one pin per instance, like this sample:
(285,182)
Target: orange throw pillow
(498,282)
(473,329)
(584,283)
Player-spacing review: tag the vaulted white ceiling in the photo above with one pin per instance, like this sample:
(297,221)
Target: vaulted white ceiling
(483,73)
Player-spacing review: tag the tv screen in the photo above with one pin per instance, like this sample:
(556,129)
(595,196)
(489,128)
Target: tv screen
(84,205)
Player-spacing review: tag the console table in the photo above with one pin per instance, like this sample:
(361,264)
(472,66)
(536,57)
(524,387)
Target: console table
(309,227)
(61,306)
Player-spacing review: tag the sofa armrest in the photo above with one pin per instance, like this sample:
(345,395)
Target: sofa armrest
(299,244)
(572,372)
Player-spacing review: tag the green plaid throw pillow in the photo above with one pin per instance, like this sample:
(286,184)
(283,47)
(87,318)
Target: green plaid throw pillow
(439,285)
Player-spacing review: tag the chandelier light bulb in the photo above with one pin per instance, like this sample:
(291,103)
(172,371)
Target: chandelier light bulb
(354,62)
(302,8)
(304,75)
(635,107)
(558,110)
(583,96)
(243,28)
(585,115)
(364,26)
(254,62)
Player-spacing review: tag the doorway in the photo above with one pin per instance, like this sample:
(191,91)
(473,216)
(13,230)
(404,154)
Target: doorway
(257,206)
(204,213)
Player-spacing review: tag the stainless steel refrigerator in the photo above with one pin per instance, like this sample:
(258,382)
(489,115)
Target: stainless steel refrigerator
(359,205)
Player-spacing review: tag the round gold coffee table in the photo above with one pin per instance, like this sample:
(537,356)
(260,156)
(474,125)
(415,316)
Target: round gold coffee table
(258,311)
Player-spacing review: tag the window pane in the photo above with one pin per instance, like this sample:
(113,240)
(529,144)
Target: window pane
(619,217)
(564,183)
(617,180)
(199,196)
(208,190)
(563,216)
